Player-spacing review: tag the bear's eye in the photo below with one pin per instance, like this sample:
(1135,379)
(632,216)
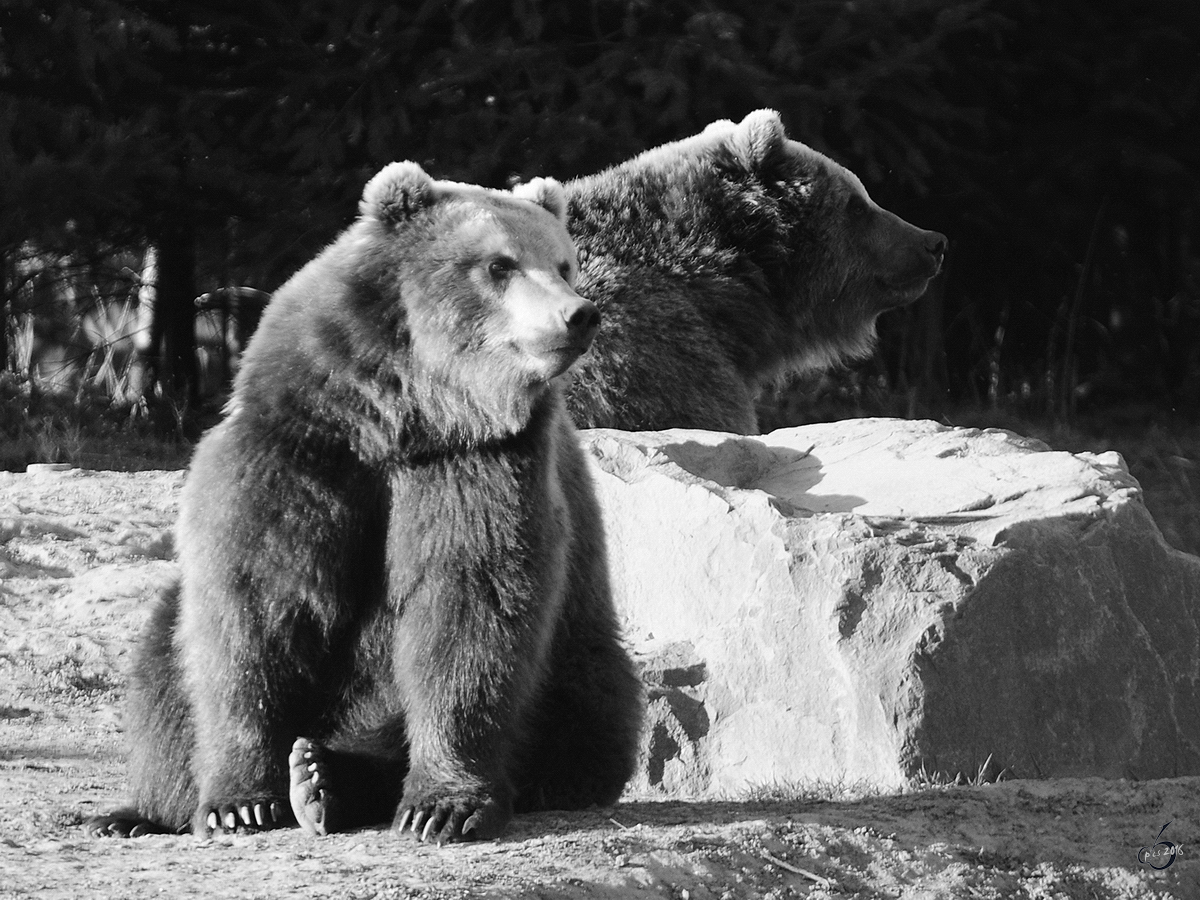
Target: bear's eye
(501,267)
(856,207)
(565,271)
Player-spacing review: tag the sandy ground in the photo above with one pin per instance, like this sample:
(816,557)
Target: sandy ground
(81,553)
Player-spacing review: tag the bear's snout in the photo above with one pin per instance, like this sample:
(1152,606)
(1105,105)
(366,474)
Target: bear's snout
(553,330)
(920,256)
(907,259)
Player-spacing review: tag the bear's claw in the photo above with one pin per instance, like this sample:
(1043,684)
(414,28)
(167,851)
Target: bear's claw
(452,819)
(241,816)
(125,824)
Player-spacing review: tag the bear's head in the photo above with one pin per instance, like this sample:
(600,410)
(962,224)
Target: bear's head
(481,282)
(747,203)
(849,255)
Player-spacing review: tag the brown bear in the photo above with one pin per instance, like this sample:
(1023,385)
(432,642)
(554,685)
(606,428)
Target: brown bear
(723,263)
(394,601)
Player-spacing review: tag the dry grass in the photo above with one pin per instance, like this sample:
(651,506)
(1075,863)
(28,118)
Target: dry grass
(1167,464)
(86,429)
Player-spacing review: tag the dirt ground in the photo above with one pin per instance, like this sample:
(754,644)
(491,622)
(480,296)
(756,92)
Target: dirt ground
(82,552)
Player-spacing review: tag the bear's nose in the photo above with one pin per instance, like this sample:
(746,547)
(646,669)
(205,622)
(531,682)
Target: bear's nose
(581,317)
(936,244)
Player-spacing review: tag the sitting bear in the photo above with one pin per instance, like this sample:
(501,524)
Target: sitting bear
(723,263)
(394,599)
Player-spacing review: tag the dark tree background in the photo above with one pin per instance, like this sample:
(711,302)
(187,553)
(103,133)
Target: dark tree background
(1057,144)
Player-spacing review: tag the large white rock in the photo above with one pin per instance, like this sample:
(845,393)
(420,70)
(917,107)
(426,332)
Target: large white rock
(866,598)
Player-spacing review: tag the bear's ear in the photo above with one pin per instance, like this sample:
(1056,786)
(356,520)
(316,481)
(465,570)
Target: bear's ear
(758,137)
(546,193)
(397,193)
(717,126)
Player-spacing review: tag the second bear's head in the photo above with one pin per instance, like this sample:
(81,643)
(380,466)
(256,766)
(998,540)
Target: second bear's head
(485,277)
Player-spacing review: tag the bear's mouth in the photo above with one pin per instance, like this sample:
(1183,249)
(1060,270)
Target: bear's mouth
(903,291)
(567,353)
(558,357)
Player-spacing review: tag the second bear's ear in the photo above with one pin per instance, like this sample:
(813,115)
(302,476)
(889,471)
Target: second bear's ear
(396,193)
(758,137)
(546,193)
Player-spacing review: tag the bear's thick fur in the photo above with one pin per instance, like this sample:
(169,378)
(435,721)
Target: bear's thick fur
(724,262)
(394,600)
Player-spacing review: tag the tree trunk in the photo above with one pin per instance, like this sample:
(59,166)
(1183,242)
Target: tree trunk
(8,283)
(173,330)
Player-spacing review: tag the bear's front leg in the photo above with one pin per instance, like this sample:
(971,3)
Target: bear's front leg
(462,708)
(276,562)
(468,673)
(240,704)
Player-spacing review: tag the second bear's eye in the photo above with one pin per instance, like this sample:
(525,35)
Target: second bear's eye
(502,267)
(856,206)
(565,271)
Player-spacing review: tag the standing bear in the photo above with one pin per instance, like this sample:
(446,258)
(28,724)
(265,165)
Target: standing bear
(394,600)
(723,263)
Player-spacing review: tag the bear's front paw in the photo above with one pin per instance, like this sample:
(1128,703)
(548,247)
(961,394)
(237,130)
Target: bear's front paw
(452,815)
(241,816)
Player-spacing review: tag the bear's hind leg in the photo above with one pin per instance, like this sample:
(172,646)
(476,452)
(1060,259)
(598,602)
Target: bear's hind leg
(159,733)
(582,743)
(162,739)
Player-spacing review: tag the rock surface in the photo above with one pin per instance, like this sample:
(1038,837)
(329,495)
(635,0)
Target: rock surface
(870,598)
